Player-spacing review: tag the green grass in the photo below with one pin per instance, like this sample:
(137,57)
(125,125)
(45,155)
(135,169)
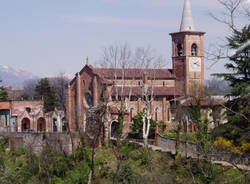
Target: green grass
(191,137)
(137,165)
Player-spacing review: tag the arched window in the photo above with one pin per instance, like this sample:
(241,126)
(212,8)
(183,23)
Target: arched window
(180,49)
(54,125)
(115,128)
(25,124)
(28,109)
(156,113)
(194,50)
(168,110)
(131,114)
(41,125)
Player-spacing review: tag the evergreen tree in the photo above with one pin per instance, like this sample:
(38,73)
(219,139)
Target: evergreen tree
(45,92)
(3,94)
(238,109)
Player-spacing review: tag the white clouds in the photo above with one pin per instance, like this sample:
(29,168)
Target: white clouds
(116,20)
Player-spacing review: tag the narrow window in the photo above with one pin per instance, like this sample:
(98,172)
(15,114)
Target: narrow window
(131,114)
(28,109)
(156,113)
(180,49)
(168,114)
(194,50)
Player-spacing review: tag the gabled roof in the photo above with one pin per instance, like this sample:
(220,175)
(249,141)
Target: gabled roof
(133,73)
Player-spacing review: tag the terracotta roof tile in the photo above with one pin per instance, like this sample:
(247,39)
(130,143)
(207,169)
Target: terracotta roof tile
(205,102)
(108,73)
(4,105)
(158,91)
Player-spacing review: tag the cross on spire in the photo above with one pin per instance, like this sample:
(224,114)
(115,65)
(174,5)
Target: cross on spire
(187,23)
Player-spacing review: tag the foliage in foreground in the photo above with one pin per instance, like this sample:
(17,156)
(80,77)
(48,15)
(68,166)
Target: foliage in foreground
(238,109)
(136,127)
(22,166)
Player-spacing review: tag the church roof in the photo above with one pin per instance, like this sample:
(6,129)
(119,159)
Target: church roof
(187,23)
(157,91)
(205,102)
(131,73)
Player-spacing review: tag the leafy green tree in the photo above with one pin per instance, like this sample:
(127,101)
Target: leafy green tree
(3,94)
(136,127)
(44,91)
(238,109)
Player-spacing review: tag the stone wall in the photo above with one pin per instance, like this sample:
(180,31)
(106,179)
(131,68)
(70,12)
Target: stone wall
(169,146)
(60,142)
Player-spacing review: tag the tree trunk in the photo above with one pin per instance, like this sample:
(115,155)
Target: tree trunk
(145,142)
(177,144)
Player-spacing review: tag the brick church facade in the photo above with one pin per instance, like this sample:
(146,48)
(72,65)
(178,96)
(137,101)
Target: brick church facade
(92,86)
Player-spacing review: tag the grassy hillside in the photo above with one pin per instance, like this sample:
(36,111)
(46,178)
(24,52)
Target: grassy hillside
(126,163)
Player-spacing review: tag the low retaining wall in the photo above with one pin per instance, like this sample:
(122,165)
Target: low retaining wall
(190,150)
(60,142)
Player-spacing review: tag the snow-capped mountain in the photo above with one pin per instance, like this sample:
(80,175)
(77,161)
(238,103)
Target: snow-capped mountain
(14,77)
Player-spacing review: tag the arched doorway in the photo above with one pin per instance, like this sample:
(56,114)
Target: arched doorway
(25,124)
(41,125)
(114,128)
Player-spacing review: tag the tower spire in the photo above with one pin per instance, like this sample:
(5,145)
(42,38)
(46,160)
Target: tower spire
(187,23)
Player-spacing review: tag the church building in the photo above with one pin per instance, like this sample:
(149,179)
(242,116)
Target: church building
(93,86)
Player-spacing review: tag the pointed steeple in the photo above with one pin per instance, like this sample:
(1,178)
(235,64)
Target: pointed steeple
(187,23)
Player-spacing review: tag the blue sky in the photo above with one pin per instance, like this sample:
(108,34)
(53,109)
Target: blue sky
(46,37)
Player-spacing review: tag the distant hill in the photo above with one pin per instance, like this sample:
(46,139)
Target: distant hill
(14,77)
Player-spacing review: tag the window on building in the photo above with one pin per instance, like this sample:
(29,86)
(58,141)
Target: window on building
(156,113)
(6,120)
(194,50)
(28,109)
(134,98)
(131,114)
(54,125)
(180,49)
(168,114)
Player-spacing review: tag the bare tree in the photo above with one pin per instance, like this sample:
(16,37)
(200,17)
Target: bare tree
(181,117)
(233,9)
(234,12)
(59,83)
(125,65)
(29,88)
(95,125)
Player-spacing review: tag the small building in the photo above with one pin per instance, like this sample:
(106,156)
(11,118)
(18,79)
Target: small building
(5,116)
(29,116)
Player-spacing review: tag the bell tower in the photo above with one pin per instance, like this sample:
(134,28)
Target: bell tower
(188,52)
